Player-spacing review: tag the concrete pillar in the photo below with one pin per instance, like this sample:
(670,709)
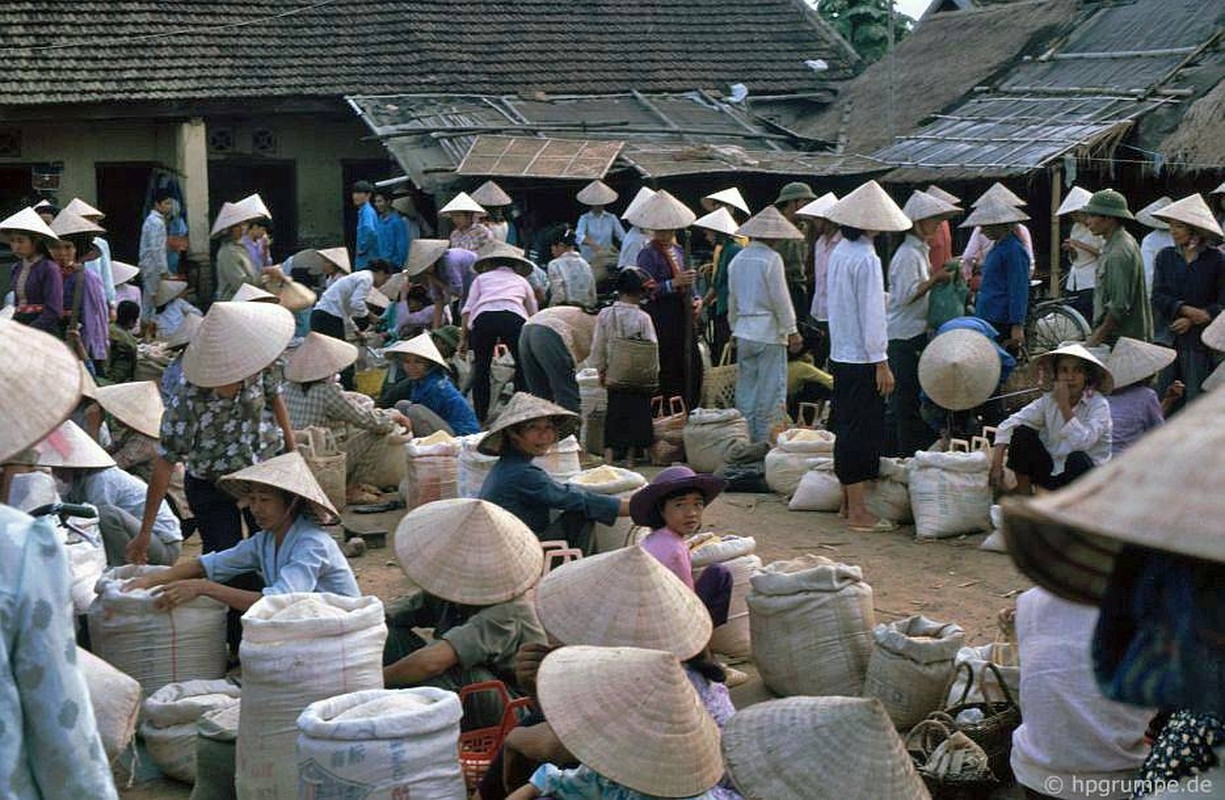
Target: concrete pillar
(191,162)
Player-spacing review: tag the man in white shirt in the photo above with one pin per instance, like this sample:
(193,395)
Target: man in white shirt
(910,280)
(153,263)
(762,320)
(345,301)
(1156,240)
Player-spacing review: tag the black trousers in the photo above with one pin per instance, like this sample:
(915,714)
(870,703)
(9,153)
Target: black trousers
(488,329)
(907,432)
(331,325)
(859,423)
(1028,456)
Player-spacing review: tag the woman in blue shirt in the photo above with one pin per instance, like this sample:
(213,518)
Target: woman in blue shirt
(1003,296)
(427,396)
(291,553)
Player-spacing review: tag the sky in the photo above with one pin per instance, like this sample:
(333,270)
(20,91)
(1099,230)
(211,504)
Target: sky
(912,8)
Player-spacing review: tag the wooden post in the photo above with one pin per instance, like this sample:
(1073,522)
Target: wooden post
(1056,237)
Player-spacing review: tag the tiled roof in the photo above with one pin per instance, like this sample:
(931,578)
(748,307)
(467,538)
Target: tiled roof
(104,50)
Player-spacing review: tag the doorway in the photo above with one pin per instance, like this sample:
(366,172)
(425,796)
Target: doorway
(277,183)
(122,191)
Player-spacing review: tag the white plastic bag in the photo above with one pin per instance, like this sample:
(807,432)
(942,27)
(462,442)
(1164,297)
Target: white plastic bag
(911,664)
(1003,655)
(169,727)
(819,489)
(431,471)
(889,497)
(806,441)
(950,493)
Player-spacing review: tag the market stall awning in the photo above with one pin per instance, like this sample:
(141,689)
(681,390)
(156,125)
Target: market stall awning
(525,157)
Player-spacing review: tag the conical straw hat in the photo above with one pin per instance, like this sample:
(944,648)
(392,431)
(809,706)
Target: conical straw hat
(1216,380)
(137,405)
(25,221)
(941,194)
(82,209)
(377,299)
(122,273)
(67,223)
(802,748)
(632,716)
(663,212)
(289,472)
(521,408)
(998,193)
(1191,210)
(318,357)
(186,333)
(644,194)
(255,204)
(732,197)
(296,296)
(596,193)
(1104,379)
(394,286)
(1145,215)
(167,290)
(88,386)
(869,208)
(720,220)
(626,598)
(67,446)
(1067,540)
(232,214)
(490,194)
(424,253)
(820,207)
(500,254)
(922,206)
(1214,334)
(250,293)
(420,345)
(313,259)
(993,213)
(462,203)
(1219,189)
(1132,360)
(44,203)
(1075,201)
(468,551)
(959,369)
(236,341)
(34,364)
(769,223)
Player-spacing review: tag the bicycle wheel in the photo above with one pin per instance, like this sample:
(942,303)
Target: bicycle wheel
(1055,325)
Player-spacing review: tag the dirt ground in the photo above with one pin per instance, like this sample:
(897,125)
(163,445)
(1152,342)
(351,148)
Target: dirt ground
(949,580)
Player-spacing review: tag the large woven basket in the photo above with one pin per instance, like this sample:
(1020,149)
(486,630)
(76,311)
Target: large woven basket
(326,462)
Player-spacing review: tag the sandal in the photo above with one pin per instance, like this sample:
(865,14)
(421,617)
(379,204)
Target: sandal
(881,526)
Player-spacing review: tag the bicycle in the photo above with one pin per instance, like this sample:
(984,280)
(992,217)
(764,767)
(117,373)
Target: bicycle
(1049,323)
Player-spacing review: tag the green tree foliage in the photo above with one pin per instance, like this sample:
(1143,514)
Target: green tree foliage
(865,24)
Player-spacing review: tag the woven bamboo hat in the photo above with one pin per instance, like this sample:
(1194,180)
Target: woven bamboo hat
(424,253)
(720,220)
(1067,540)
(1104,379)
(1132,360)
(993,213)
(296,296)
(820,207)
(1216,380)
(769,223)
(922,205)
(948,197)
(34,364)
(632,716)
(1075,201)
(255,204)
(500,254)
(1214,334)
(337,256)
(1191,210)
(318,357)
(137,405)
(596,193)
(25,221)
(167,290)
(122,273)
(421,345)
(1219,189)
(663,212)
(232,214)
(869,208)
(377,299)
(732,197)
(462,203)
(468,551)
(814,748)
(521,408)
(67,446)
(82,209)
(490,194)
(626,598)
(959,369)
(66,223)
(1145,215)
(998,193)
(644,194)
(236,341)
(289,472)
(186,333)
(250,293)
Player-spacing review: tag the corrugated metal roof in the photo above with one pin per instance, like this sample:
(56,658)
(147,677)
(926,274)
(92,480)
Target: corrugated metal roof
(524,157)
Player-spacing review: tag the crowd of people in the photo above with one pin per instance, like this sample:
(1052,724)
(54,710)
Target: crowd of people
(798,291)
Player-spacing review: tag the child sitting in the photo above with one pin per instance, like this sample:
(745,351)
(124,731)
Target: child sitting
(1065,432)
(1134,407)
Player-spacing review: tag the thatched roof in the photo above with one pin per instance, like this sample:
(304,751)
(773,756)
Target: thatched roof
(1196,144)
(947,56)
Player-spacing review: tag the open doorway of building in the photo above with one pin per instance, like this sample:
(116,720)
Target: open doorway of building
(122,189)
(276,182)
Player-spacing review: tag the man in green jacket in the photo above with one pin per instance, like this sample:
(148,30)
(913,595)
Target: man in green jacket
(1120,302)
